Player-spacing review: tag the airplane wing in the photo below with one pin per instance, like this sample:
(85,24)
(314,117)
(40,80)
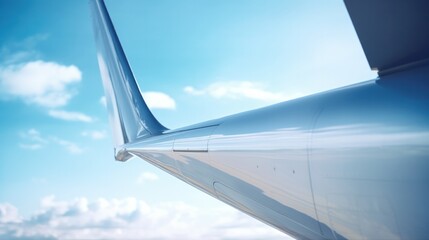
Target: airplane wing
(129,115)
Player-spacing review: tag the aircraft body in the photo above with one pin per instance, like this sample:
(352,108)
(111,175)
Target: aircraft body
(348,163)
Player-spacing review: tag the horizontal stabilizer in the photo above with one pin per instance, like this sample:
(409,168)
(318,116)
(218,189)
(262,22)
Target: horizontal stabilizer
(394,33)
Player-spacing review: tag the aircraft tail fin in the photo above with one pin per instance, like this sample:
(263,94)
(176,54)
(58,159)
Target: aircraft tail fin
(129,115)
(393,33)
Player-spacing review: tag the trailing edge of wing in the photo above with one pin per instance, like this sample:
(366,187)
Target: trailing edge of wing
(129,115)
(394,33)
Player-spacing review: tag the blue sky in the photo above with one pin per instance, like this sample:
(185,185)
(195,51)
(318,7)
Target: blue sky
(194,60)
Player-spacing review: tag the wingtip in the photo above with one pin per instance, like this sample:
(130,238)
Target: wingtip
(130,117)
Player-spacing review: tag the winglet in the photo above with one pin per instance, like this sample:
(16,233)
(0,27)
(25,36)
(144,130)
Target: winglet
(393,33)
(129,115)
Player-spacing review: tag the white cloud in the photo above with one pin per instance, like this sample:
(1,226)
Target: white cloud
(130,218)
(159,100)
(33,135)
(9,214)
(103,101)
(71,147)
(239,89)
(33,140)
(70,116)
(147,176)
(43,83)
(94,134)
(20,51)
(19,57)
(191,90)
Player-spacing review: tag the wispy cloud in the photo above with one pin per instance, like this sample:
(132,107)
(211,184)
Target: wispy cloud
(33,140)
(129,218)
(20,56)
(96,135)
(159,100)
(70,116)
(71,147)
(33,135)
(46,84)
(103,101)
(18,51)
(147,177)
(191,90)
(237,90)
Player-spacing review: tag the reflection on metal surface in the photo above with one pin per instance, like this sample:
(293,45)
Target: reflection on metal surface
(129,114)
(348,163)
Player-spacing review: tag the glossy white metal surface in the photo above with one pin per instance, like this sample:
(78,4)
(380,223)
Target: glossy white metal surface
(128,113)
